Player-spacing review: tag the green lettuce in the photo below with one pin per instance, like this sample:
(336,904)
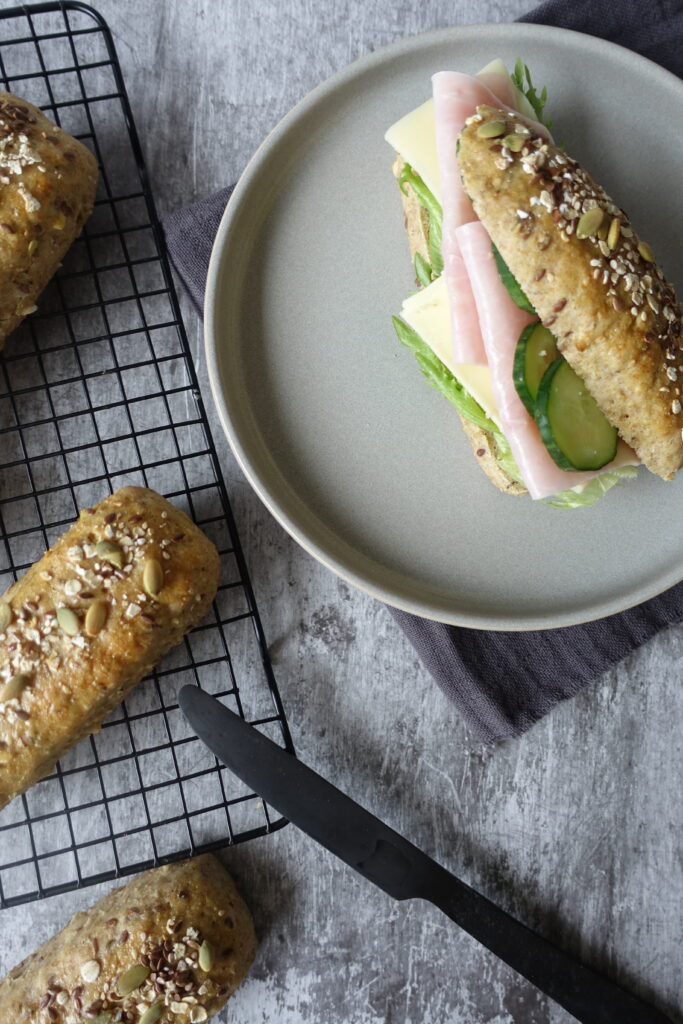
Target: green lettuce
(441,378)
(423,271)
(427,200)
(593,490)
(521,77)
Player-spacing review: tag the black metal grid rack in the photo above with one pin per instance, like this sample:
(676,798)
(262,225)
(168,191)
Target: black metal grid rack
(97,390)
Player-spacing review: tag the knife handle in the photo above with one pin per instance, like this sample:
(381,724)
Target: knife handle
(589,996)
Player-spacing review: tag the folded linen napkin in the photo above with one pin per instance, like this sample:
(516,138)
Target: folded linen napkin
(503,682)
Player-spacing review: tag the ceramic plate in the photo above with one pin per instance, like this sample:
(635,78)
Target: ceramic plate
(363,463)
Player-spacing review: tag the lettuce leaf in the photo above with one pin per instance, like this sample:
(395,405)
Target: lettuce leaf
(441,378)
(423,271)
(594,490)
(433,207)
(521,77)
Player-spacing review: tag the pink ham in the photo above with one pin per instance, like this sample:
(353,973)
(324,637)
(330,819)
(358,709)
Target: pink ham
(502,322)
(456,97)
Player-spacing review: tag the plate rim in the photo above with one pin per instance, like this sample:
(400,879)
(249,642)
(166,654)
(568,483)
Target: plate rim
(590,612)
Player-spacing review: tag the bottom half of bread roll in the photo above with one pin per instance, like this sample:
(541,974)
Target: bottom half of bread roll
(482,441)
(170,946)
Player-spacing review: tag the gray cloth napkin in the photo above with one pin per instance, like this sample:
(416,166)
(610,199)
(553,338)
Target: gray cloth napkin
(503,682)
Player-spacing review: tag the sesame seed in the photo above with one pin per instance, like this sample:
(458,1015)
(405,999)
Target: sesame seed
(672,373)
(675,407)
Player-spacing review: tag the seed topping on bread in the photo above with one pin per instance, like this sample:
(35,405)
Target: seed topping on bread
(593,281)
(121,546)
(621,261)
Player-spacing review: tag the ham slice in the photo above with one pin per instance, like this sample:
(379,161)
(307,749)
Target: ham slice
(456,97)
(502,322)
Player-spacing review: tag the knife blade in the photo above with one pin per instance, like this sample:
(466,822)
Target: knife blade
(402,870)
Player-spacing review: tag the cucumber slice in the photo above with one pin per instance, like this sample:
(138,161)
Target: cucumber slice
(536,350)
(575,431)
(511,284)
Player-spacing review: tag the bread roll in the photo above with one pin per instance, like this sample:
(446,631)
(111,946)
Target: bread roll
(89,620)
(593,282)
(47,191)
(483,442)
(171,946)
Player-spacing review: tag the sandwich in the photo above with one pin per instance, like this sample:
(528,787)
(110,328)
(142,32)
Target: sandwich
(540,314)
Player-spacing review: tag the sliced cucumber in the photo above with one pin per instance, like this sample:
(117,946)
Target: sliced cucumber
(511,284)
(536,350)
(575,431)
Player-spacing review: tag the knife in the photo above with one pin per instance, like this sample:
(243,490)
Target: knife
(401,869)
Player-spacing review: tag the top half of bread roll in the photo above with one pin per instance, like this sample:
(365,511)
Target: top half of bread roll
(47,190)
(593,282)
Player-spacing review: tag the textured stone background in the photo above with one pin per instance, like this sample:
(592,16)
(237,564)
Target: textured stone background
(576,827)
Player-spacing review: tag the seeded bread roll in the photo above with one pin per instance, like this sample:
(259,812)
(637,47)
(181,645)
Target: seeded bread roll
(172,946)
(48,183)
(482,441)
(593,282)
(89,620)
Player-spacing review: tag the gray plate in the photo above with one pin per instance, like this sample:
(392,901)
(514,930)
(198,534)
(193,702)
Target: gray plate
(361,461)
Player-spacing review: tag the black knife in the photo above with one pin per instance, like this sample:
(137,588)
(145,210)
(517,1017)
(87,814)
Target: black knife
(401,869)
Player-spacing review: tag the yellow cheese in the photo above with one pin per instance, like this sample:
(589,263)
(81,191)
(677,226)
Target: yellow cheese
(427,312)
(414,137)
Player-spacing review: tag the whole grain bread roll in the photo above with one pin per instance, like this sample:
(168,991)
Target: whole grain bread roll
(593,282)
(89,620)
(171,946)
(482,441)
(47,190)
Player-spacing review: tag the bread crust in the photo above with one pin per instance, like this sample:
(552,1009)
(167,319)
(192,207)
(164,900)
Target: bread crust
(70,683)
(482,441)
(157,919)
(615,317)
(48,181)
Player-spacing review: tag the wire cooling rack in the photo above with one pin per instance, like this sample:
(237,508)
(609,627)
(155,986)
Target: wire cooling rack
(97,390)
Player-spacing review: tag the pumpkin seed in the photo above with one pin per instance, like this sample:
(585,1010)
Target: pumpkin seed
(603,230)
(96,617)
(514,143)
(646,252)
(589,222)
(102,1018)
(614,232)
(5,616)
(207,957)
(132,979)
(14,688)
(68,621)
(152,577)
(110,552)
(491,129)
(152,1014)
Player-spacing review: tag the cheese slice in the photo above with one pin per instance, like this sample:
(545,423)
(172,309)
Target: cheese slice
(428,314)
(414,137)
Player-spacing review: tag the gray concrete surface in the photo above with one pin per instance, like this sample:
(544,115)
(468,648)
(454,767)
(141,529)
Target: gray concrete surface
(576,827)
